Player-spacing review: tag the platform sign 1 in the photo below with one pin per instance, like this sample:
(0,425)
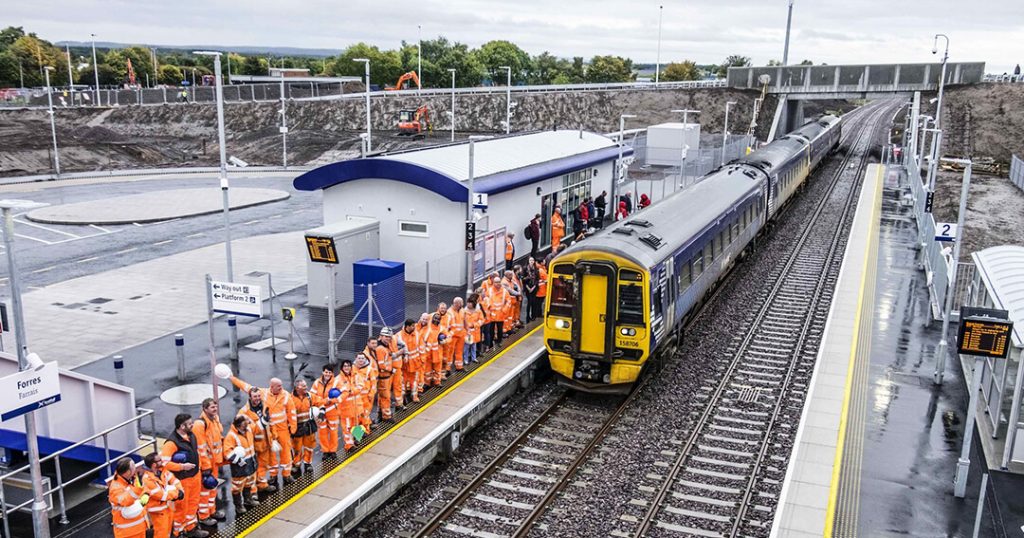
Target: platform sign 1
(321,249)
(479,199)
(984,332)
(29,390)
(235,298)
(945,231)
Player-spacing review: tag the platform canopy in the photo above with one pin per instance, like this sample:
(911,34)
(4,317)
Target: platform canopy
(1002,270)
(500,164)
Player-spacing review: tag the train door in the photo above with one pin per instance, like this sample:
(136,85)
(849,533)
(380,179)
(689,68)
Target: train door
(594,324)
(547,207)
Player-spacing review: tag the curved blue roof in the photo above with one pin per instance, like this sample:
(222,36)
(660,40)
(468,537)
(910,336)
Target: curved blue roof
(402,167)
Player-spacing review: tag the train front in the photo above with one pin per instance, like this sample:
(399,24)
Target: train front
(596,323)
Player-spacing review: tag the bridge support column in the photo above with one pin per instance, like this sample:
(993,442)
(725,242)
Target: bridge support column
(835,86)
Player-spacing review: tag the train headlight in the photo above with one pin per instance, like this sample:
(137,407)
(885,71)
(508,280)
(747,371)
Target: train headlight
(626,331)
(607,379)
(561,324)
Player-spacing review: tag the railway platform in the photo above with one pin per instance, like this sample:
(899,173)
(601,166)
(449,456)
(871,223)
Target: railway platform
(878,442)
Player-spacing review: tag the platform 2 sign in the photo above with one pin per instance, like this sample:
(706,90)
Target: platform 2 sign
(235,298)
(984,332)
(29,390)
(321,249)
(945,231)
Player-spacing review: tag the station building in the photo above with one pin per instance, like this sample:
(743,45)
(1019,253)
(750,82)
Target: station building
(418,197)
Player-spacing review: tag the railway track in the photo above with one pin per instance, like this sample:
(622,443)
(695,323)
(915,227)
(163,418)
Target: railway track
(725,478)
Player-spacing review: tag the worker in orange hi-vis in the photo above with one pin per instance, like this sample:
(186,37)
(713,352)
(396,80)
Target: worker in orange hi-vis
(366,376)
(474,328)
(496,300)
(209,434)
(510,250)
(428,345)
(329,418)
(163,489)
(279,406)
(433,340)
(557,228)
(389,382)
(348,401)
(455,328)
(304,438)
(409,339)
(515,293)
(128,499)
(239,452)
(180,455)
(255,412)
(446,344)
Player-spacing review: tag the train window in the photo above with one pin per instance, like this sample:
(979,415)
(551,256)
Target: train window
(631,304)
(562,297)
(684,276)
(708,256)
(698,264)
(720,243)
(736,229)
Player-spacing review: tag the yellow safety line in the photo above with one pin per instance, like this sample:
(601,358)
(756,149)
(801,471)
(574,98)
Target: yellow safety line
(833,492)
(385,435)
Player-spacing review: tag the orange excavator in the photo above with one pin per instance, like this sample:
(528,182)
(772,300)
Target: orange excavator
(403,80)
(414,123)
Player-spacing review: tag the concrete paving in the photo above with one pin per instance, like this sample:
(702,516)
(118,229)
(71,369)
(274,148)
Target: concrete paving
(153,206)
(84,319)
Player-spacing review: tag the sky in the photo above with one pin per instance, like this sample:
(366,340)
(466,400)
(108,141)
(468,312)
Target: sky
(706,31)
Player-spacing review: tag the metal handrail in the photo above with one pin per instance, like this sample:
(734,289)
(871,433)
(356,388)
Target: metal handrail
(150,440)
(153,171)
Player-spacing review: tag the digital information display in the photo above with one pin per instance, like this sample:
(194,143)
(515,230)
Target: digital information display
(321,249)
(984,332)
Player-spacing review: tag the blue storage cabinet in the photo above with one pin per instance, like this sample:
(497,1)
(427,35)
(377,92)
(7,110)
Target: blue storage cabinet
(388,279)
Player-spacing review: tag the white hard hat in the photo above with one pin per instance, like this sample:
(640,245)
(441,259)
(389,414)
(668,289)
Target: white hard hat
(222,371)
(132,511)
(386,331)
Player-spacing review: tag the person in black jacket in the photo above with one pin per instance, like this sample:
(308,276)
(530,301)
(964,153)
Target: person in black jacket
(534,228)
(601,203)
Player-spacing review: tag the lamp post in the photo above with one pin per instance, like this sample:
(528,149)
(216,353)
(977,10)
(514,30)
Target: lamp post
(725,129)
(40,522)
(620,175)
(789,23)
(682,154)
(942,80)
(284,126)
(657,65)
(419,58)
(223,158)
(685,112)
(940,351)
(469,209)
(452,71)
(71,78)
(508,98)
(921,139)
(53,122)
(95,70)
(366,62)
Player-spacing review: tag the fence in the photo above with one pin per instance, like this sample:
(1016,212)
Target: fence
(93,174)
(1017,172)
(1003,78)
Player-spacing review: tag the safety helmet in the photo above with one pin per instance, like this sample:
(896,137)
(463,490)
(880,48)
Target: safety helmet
(179,457)
(209,482)
(132,511)
(333,393)
(386,331)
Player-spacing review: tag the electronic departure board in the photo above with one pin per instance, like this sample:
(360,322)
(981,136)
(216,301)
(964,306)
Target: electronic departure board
(321,249)
(984,332)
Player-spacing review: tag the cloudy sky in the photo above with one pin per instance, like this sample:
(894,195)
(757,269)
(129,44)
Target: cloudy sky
(830,31)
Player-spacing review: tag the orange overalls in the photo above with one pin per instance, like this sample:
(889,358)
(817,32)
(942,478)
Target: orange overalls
(163,490)
(446,346)
(474,325)
(496,301)
(328,428)
(367,376)
(557,231)
(456,329)
(209,434)
(122,494)
(281,407)
(191,482)
(510,315)
(410,367)
(260,443)
(239,483)
(432,358)
(349,405)
(386,370)
(302,446)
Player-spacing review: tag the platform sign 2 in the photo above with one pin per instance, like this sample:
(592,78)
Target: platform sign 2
(28,390)
(236,298)
(945,231)
(984,332)
(321,249)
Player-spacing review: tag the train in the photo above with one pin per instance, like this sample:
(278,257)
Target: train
(614,299)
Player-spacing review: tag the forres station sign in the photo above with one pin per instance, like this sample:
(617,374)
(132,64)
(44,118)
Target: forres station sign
(29,390)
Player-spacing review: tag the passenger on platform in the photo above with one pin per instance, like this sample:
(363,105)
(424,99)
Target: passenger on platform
(622,211)
(645,201)
(329,418)
(592,212)
(255,412)
(180,455)
(348,384)
(241,454)
(163,489)
(409,340)
(424,361)
(280,420)
(601,204)
(445,344)
(530,289)
(474,325)
(390,384)
(209,432)
(456,330)
(628,198)
(304,438)
(510,250)
(128,499)
(495,301)
(366,375)
(557,228)
(520,300)
(542,289)
(534,235)
(433,363)
(583,213)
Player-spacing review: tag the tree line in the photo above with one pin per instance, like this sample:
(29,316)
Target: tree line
(24,55)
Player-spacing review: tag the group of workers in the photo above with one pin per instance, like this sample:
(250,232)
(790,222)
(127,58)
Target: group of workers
(274,435)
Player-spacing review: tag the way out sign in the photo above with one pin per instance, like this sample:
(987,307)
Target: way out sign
(28,390)
(235,298)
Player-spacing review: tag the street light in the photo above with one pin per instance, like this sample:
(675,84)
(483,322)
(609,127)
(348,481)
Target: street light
(452,71)
(620,172)
(508,98)
(682,154)
(725,129)
(469,210)
(53,122)
(71,78)
(684,112)
(789,23)
(657,66)
(942,80)
(223,158)
(419,58)
(366,61)
(40,522)
(284,126)
(95,69)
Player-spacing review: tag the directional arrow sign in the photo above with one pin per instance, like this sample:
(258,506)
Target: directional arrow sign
(238,299)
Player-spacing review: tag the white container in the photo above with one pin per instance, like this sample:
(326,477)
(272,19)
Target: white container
(355,239)
(666,142)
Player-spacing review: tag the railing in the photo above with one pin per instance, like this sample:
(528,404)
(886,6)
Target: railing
(935,263)
(1017,172)
(1003,78)
(148,441)
(232,170)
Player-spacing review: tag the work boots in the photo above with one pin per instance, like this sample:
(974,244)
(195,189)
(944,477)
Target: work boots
(220,515)
(198,533)
(236,499)
(249,499)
